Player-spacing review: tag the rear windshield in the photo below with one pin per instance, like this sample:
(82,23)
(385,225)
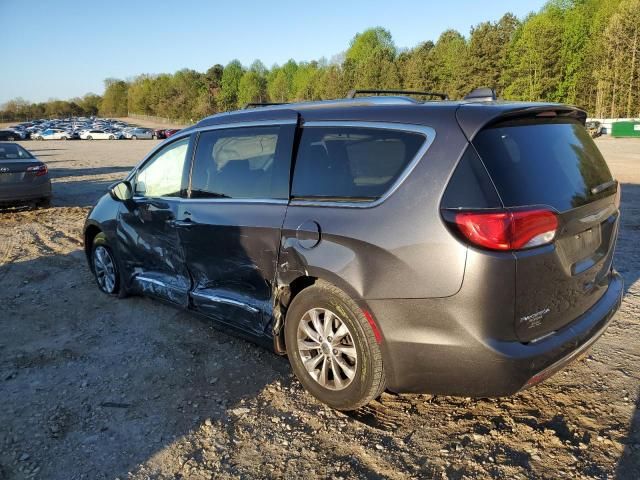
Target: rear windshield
(13,152)
(555,164)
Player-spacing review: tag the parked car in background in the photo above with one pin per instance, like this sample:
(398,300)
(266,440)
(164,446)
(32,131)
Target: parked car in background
(23,178)
(53,134)
(454,248)
(139,133)
(595,128)
(99,135)
(9,135)
(171,131)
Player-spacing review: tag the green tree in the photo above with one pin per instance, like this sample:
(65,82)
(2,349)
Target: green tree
(534,66)
(371,60)
(230,84)
(114,100)
(448,60)
(488,49)
(253,84)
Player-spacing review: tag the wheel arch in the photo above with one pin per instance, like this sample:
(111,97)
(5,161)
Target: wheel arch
(90,233)
(286,292)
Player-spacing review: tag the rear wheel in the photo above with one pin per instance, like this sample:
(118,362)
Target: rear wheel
(63,138)
(332,348)
(89,137)
(111,137)
(133,137)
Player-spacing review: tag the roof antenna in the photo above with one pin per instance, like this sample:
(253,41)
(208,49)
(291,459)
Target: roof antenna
(482,94)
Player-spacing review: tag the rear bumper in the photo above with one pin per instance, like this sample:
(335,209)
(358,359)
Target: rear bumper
(451,360)
(23,192)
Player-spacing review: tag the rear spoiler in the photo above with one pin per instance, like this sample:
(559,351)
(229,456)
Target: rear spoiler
(474,117)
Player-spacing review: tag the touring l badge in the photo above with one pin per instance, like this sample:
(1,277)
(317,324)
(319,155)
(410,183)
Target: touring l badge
(535,319)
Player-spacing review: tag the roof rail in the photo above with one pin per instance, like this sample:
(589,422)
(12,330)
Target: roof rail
(262,104)
(353,93)
(482,94)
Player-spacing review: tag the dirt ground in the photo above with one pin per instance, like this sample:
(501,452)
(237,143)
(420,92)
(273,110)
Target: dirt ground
(92,387)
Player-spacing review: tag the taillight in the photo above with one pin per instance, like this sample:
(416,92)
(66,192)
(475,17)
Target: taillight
(506,230)
(39,170)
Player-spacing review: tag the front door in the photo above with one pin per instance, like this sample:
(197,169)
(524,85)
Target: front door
(147,235)
(231,229)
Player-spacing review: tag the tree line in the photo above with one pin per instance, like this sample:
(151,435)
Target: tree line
(581,52)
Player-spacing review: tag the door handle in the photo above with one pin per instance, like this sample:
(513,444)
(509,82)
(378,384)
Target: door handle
(182,223)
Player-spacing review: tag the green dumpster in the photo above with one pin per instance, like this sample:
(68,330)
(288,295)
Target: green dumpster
(626,129)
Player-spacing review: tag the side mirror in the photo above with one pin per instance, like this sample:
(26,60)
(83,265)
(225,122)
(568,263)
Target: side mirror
(121,191)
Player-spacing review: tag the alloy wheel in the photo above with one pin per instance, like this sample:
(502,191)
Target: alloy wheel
(105,269)
(326,348)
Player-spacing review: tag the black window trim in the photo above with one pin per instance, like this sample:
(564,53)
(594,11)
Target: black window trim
(428,132)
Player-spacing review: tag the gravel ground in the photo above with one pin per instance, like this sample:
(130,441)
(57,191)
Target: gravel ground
(93,387)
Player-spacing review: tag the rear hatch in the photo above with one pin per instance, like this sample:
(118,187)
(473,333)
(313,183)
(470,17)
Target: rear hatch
(552,163)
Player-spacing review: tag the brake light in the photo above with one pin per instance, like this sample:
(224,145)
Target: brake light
(507,230)
(39,170)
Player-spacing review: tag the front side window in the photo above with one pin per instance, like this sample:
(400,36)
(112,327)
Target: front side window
(351,163)
(162,175)
(240,163)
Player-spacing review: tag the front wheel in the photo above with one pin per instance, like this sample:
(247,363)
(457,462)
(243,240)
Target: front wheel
(111,137)
(332,348)
(133,137)
(89,137)
(104,266)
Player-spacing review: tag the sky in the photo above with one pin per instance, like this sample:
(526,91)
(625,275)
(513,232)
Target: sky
(66,48)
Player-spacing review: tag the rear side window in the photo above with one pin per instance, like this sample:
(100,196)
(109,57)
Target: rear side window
(243,163)
(351,163)
(555,164)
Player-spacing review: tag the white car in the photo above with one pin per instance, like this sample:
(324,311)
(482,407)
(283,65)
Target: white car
(53,134)
(99,135)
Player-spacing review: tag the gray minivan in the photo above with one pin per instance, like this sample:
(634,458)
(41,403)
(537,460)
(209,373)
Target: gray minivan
(450,247)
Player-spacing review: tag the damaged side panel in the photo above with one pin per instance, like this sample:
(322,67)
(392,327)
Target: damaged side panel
(150,249)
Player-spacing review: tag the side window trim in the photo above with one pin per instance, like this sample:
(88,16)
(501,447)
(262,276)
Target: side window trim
(133,176)
(428,132)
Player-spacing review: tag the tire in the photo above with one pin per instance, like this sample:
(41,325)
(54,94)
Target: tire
(89,137)
(133,137)
(45,202)
(367,379)
(101,249)
(111,137)
(63,138)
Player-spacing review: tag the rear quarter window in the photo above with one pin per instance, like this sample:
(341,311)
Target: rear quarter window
(351,163)
(555,164)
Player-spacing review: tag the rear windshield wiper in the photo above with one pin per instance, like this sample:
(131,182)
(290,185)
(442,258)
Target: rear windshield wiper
(603,186)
